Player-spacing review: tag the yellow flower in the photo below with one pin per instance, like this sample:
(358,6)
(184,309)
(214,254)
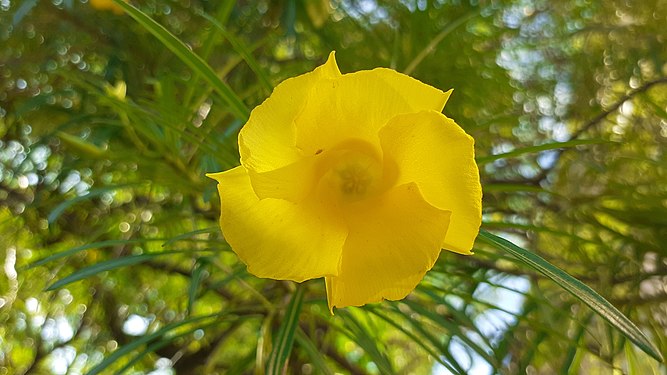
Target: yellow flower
(106,5)
(118,91)
(358,178)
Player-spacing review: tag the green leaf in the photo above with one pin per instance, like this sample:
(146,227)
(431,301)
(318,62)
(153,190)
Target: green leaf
(402,325)
(125,349)
(533,149)
(433,44)
(282,345)
(192,60)
(313,353)
(244,52)
(83,148)
(190,234)
(93,245)
(110,243)
(22,11)
(195,282)
(108,265)
(575,342)
(460,326)
(160,343)
(580,290)
(366,339)
(512,188)
(92,193)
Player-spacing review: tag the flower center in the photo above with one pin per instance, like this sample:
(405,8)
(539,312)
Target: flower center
(352,173)
(356,174)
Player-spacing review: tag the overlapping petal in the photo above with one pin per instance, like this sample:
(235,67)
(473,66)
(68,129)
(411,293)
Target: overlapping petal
(357,178)
(393,240)
(292,182)
(267,140)
(434,152)
(419,95)
(276,238)
(357,105)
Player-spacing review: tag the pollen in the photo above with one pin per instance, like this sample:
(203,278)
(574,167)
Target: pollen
(355,176)
(355,179)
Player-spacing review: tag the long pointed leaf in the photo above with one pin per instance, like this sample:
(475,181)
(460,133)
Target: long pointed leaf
(126,349)
(92,193)
(283,343)
(93,245)
(192,60)
(244,52)
(108,265)
(539,148)
(578,289)
(313,352)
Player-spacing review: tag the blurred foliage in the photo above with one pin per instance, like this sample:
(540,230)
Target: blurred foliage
(105,136)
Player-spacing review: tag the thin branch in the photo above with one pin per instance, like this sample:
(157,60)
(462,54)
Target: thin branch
(161,266)
(535,181)
(616,105)
(596,120)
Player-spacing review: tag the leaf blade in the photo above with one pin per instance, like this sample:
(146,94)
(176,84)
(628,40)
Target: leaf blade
(578,289)
(285,339)
(126,349)
(108,265)
(539,148)
(189,58)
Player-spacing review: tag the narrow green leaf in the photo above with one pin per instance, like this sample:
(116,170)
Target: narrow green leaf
(531,227)
(244,52)
(400,325)
(103,244)
(503,347)
(161,343)
(92,193)
(125,349)
(433,44)
(367,341)
(106,266)
(282,345)
(223,13)
(93,245)
(511,188)
(539,148)
(22,11)
(528,356)
(313,353)
(189,234)
(83,148)
(459,326)
(578,289)
(192,60)
(574,344)
(195,282)
(243,365)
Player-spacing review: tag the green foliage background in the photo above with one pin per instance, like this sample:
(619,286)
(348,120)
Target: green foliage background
(104,196)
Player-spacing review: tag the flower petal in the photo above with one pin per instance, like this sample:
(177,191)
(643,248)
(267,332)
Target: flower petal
(392,241)
(434,152)
(357,105)
(419,95)
(266,141)
(276,238)
(292,182)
